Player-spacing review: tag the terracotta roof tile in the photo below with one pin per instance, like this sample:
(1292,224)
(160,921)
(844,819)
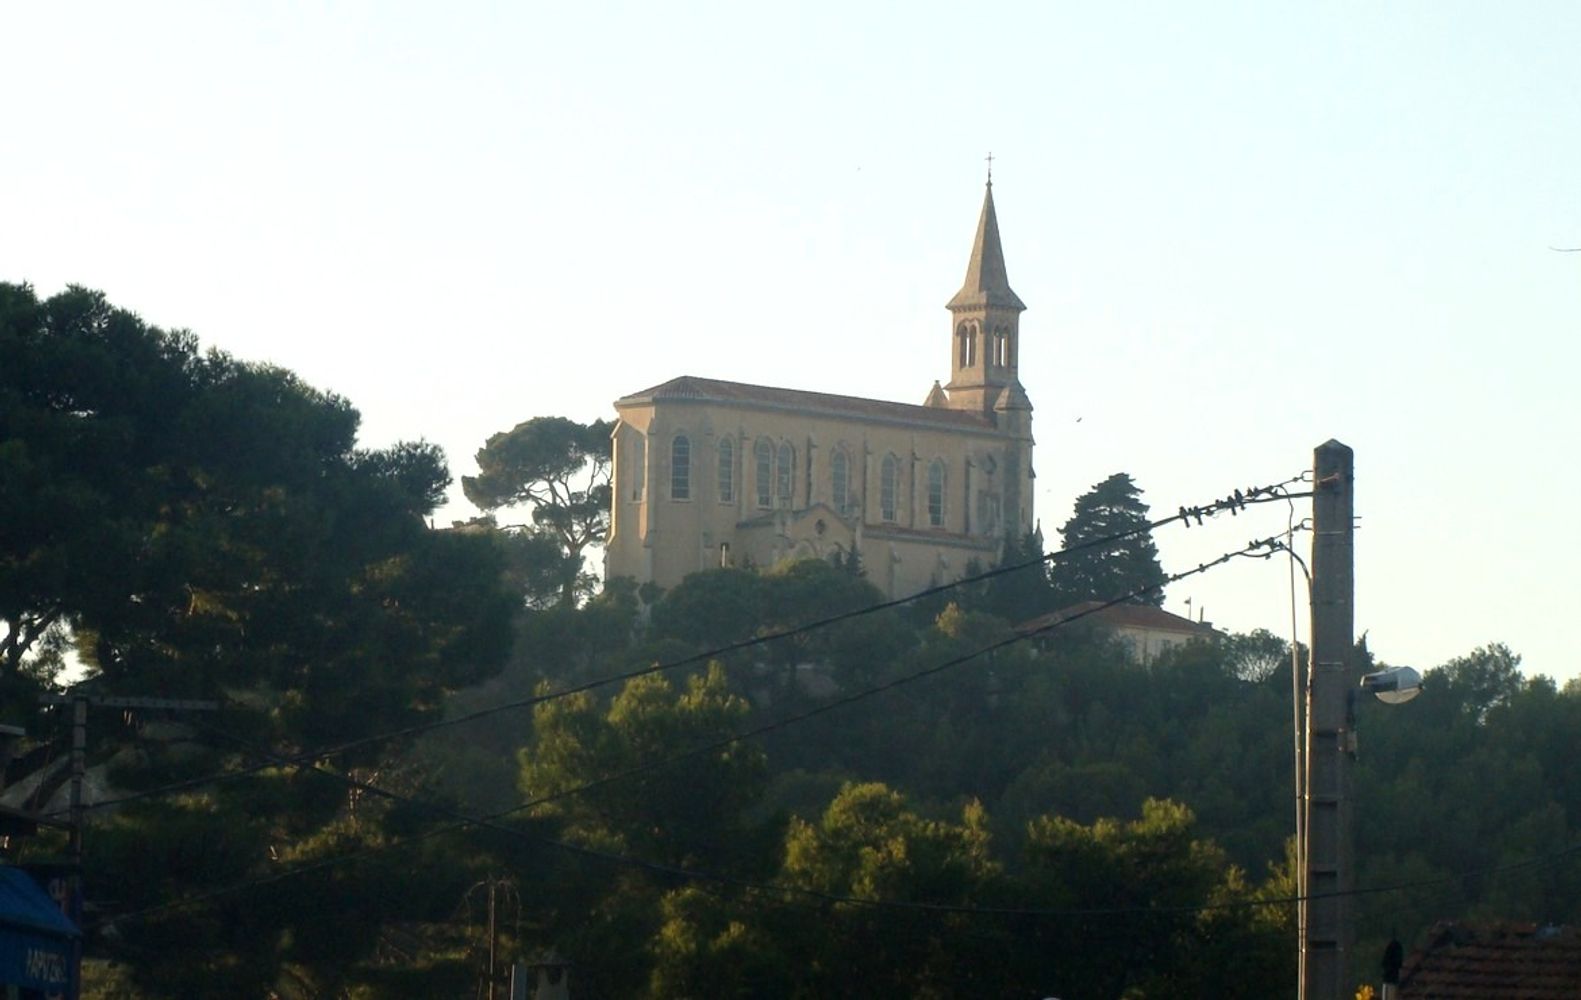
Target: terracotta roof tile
(1507,961)
(707,390)
(1121,616)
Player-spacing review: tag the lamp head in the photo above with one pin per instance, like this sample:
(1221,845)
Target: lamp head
(1393,686)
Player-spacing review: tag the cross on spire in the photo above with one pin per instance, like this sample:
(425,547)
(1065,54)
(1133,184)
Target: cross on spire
(990,159)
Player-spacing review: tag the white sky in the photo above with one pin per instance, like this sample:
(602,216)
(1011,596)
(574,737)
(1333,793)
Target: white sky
(1240,229)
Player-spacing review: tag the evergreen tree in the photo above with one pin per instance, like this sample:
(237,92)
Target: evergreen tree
(1020,594)
(1126,565)
(560,469)
(188,523)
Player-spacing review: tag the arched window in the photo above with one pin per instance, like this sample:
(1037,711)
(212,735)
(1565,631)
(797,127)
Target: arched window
(936,494)
(783,470)
(840,474)
(1002,347)
(888,487)
(971,344)
(639,465)
(763,459)
(727,470)
(680,468)
(962,348)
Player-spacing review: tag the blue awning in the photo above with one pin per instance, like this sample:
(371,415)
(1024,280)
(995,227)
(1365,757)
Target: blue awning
(37,941)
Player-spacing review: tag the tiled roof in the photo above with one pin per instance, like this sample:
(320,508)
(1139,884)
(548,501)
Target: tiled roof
(1507,961)
(1121,616)
(707,390)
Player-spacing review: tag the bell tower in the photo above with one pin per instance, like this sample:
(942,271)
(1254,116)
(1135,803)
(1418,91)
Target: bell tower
(986,319)
(985,351)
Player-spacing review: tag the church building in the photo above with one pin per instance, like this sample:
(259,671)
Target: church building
(711,473)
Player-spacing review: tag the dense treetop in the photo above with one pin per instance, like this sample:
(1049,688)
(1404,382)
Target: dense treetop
(199,522)
(824,814)
(1103,572)
(559,470)
(189,524)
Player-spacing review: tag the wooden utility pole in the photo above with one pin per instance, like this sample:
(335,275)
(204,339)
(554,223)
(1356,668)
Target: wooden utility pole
(1330,738)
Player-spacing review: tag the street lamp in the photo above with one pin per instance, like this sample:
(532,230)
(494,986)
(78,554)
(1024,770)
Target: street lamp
(1328,735)
(1394,686)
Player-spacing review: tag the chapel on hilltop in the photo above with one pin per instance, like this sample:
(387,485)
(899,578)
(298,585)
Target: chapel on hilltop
(710,473)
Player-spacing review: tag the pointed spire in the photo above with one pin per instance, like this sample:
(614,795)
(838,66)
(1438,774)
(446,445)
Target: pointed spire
(986,283)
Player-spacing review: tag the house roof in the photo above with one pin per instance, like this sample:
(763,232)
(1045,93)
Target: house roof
(690,388)
(22,823)
(1121,616)
(1503,961)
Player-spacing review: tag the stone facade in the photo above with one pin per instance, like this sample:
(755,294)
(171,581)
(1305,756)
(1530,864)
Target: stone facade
(710,473)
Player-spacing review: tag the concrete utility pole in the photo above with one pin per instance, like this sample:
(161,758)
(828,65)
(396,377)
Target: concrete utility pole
(79,754)
(79,703)
(494,935)
(1330,737)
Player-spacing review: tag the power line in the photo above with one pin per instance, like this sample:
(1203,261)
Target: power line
(1251,549)
(769,888)
(1262,548)
(491,822)
(1234,503)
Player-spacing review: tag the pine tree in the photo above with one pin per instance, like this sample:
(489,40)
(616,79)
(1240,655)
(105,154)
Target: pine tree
(1020,594)
(1125,566)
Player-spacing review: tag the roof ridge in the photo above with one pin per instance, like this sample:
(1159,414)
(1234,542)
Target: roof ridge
(694,387)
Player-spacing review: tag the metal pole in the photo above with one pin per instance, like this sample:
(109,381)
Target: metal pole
(1329,736)
(79,749)
(1298,731)
(492,937)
